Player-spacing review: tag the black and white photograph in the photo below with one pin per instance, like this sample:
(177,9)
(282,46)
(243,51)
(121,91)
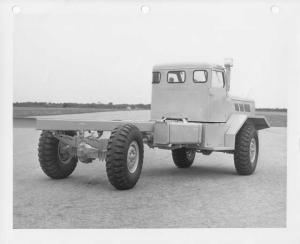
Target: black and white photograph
(123,117)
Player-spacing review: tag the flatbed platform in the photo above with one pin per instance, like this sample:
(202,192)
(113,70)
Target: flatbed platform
(75,124)
(92,121)
(140,115)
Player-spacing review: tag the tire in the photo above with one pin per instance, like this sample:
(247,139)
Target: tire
(50,160)
(183,157)
(246,150)
(124,159)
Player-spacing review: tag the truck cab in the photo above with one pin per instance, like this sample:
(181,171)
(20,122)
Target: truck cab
(197,92)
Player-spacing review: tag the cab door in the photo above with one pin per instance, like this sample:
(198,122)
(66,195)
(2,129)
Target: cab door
(217,96)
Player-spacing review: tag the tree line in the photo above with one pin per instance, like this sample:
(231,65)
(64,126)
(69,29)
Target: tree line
(82,105)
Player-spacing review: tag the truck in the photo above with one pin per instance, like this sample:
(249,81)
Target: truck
(191,112)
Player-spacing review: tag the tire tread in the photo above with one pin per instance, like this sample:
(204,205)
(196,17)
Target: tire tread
(49,161)
(241,155)
(180,158)
(116,158)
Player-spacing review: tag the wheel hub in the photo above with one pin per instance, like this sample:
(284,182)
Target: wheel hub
(252,151)
(64,152)
(133,157)
(190,153)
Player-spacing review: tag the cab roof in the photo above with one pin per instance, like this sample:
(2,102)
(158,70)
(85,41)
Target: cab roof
(172,66)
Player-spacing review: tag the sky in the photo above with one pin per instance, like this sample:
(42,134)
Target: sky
(104,52)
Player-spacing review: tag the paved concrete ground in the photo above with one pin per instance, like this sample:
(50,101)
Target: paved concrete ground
(209,194)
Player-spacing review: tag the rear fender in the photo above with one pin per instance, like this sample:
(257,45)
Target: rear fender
(235,123)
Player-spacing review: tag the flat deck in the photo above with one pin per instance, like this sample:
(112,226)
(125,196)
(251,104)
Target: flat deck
(96,121)
(57,124)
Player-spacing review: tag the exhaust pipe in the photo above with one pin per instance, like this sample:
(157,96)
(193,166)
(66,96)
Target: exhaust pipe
(228,63)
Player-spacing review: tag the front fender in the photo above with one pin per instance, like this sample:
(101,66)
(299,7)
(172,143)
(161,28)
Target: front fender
(235,123)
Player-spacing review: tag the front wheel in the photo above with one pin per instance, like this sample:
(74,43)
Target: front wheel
(246,150)
(124,160)
(183,157)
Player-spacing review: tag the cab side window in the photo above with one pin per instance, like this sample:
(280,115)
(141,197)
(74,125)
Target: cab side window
(176,76)
(217,80)
(200,76)
(156,77)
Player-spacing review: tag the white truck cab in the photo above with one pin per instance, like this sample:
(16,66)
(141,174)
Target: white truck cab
(196,91)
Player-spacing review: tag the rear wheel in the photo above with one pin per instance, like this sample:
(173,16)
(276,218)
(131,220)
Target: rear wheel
(56,158)
(183,157)
(124,160)
(246,150)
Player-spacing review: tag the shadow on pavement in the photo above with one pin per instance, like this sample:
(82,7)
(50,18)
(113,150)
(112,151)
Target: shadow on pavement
(194,171)
(77,181)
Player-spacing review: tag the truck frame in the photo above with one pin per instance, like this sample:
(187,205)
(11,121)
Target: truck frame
(191,112)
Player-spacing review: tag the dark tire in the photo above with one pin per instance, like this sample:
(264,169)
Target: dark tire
(124,159)
(246,150)
(183,157)
(50,161)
